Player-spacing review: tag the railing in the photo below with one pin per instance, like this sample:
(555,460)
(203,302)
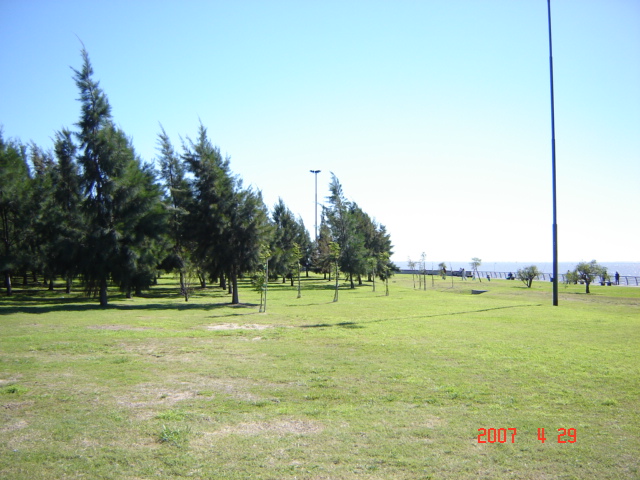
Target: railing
(628,280)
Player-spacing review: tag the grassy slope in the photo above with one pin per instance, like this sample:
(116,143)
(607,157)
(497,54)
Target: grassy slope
(371,387)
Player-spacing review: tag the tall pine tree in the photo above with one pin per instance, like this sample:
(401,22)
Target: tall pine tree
(177,198)
(121,204)
(62,216)
(344,228)
(14,194)
(228,223)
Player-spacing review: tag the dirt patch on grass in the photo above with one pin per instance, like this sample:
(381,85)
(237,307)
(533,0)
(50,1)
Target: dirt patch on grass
(432,422)
(17,405)
(11,427)
(146,400)
(279,427)
(118,327)
(235,326)
(10,380)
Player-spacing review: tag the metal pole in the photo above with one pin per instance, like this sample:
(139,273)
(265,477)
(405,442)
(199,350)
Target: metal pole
(553,168)
(316,172)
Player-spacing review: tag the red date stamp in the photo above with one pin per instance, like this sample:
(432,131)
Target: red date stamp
(508,435)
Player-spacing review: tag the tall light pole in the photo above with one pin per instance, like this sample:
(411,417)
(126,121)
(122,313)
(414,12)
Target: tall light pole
(316,172)
(553,169)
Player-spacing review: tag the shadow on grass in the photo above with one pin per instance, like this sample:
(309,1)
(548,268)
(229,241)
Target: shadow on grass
(341,324)
(86,305)
(360,324)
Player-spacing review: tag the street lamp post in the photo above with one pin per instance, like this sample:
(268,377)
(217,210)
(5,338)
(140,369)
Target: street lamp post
(316,172)
(553,169)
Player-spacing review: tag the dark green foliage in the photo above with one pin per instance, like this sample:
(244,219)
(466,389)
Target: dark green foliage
(141,219)
(121,205)
(288,232)
(14,185)
(54,213)
(358,236)
(321,259)
(93,209)
(227,223)
(63,217)
(344,228)
(246,231)
(177,197)
(211,190)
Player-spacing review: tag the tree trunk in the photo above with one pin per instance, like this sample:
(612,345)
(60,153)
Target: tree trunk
(353,285)
(51,285)
(138,292)
(223,282)
(234,285)
(128,292)
(103,293)
(587,283)
(68,286)
(7,283)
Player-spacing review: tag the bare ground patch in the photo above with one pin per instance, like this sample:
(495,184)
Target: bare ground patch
(235,326)
(10,380)
(17,405)
(16,425)
(118,327)
(432,422)
(149,398)
(275,428)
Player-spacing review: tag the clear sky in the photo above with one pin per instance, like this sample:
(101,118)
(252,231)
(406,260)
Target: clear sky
(434,115)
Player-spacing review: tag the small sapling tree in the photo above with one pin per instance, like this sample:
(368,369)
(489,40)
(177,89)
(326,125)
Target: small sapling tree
(296,255)
(261,280)
(373,262)
(475,263)
(188,276)
(334,248)
(384,260)
(443,270)
(528,275)
(412,266)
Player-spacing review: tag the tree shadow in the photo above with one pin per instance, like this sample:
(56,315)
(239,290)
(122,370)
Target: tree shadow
(76,305)
(379,320)
(340,324)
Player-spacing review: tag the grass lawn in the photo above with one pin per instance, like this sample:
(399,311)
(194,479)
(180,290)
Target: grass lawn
(370,387)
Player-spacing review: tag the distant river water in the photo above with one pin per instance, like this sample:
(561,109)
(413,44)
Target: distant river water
(631,269)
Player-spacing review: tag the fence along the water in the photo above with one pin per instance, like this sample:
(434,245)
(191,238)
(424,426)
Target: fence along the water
(624,279)
(629,280)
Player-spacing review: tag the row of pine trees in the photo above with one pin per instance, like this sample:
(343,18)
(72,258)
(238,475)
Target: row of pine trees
(91,209)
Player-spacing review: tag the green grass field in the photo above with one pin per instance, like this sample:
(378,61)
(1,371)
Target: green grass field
(370,387)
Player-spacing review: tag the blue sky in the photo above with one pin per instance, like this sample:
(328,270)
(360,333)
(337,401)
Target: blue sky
(435,116)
